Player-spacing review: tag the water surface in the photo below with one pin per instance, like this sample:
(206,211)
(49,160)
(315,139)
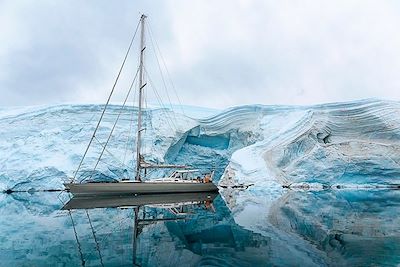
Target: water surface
(299,228)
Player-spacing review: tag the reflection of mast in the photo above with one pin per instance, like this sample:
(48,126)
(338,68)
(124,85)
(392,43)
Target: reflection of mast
(141,222)
(134,235)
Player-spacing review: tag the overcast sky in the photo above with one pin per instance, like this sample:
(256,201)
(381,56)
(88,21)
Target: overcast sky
(218,53)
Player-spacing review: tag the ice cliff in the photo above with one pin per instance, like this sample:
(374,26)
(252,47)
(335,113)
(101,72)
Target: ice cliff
(340,144)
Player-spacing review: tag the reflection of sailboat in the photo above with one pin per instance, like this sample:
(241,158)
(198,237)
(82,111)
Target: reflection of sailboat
(179,181)
(139,200)
(178,201)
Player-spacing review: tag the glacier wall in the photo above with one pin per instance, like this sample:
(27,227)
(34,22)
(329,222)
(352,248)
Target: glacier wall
(41,147)
(340,144)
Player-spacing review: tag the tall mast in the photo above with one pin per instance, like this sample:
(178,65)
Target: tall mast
(141,86)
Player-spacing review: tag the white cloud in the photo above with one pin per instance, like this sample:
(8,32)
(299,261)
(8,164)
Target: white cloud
(219,53)
(304,51)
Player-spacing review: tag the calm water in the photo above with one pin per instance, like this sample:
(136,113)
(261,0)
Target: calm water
(325,228)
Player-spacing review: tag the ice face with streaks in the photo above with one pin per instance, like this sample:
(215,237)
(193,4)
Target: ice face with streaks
(340,144)
(343,144)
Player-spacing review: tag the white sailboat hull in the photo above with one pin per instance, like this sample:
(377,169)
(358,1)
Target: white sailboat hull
(126,188)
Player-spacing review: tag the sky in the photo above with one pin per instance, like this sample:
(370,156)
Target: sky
(218,53)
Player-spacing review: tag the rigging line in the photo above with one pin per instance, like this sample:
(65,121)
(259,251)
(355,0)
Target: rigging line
(108,101)
(86,125)
(146,119)
(58,196)
(166,69)
(149,124)
(116,121)
(162,106)
(154,88)
(107,163)
(128,168)
(131,125)
(121,165)
(161,103)
(111,154)
(131,118)
(94,237)
(163,110)
(77,240)
(145,124)
(128,138)
(162,76)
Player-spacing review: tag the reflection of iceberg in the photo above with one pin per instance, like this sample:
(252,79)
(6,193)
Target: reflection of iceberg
(357,223)
(216,240)
(46,236)
(315,228)
(349,227)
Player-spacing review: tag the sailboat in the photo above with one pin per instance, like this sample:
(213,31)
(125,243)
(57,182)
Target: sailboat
(181,180)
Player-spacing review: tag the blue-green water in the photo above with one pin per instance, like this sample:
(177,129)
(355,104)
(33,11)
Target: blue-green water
(323,228)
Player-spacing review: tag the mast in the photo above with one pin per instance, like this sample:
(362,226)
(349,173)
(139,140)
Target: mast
(141,86)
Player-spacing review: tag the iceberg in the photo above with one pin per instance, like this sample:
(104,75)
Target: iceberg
(352,144)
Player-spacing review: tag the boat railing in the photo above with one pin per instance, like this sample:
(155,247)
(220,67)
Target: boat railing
(189,175)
